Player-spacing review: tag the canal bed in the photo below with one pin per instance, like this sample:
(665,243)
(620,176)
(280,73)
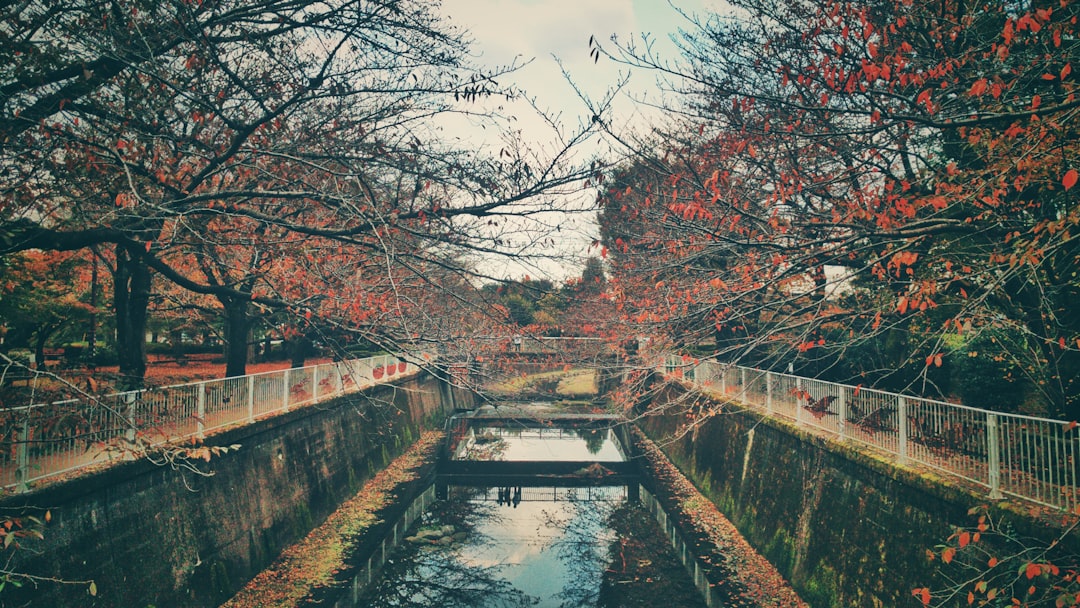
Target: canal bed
(499,537)
(626,559)
(545,547)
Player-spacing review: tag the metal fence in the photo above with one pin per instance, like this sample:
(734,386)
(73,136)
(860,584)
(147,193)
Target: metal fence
(1008,454)
(48,440)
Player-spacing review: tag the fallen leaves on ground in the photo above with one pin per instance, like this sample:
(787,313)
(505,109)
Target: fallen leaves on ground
(756,582)
(313,561)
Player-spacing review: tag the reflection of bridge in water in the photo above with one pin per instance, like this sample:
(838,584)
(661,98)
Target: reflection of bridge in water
(519,494)
(561,457)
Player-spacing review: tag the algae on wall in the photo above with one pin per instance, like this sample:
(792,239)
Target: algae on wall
(845,534)
(148,535)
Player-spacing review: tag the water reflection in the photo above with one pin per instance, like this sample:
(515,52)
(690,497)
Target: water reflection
(493,443)
(510,496)
(595,439)
(504,542)
(544,547)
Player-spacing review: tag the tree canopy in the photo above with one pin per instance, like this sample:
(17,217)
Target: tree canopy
(882,192)
(270,155)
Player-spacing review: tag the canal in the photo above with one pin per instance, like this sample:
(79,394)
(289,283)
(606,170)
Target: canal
(533,513)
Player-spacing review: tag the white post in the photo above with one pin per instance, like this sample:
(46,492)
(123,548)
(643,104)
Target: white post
(200,412)
(131,432)
(993,450)
(286,391)
(842,408)
(902,423)
(768,392)
(315,383)
(801,396)
(251,398)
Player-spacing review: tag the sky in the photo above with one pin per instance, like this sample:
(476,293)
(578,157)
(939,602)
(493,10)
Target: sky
(545,29)
(548,32)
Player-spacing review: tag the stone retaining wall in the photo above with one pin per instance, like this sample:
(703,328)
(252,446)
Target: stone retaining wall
(847,529)
(153,535)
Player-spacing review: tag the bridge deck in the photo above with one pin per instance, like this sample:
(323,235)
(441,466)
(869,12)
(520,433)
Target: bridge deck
(527,414)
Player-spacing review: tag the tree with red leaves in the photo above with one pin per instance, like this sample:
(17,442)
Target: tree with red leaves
(866,190)
(227,146)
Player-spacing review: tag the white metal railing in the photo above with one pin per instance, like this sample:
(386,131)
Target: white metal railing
(1026,457)
(46,440)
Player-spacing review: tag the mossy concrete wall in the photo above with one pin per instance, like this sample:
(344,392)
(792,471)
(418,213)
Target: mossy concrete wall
(150,535)
(845,528)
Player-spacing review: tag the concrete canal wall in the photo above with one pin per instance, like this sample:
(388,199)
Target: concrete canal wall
(151,535)
(847,529)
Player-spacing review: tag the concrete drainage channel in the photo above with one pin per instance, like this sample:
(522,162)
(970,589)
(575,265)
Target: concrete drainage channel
(374,563)
(369,571)
(693,566)
(574,479)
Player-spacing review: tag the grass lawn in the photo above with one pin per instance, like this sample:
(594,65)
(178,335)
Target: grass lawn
(576,382)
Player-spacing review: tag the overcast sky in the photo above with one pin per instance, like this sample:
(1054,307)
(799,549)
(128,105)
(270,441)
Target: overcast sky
(543,30)
(505,31)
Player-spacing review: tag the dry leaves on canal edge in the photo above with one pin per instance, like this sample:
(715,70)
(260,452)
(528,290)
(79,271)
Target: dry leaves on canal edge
(315,559)
(764,585)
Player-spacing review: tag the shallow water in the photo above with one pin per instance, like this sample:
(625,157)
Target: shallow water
(539,444)
(586,545)
(535,546)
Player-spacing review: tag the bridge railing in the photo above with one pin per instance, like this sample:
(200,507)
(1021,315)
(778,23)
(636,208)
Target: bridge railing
(1027,457)
(569,346)
(44,441)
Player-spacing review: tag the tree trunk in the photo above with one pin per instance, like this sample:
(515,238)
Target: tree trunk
(237,332)
(131,299)
(39,350)
(298,348)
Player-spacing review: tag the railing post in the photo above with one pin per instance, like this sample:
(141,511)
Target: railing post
(800,395)
(723,380)
(132,431)
(251,398)
(993,450)
(22,456)
(768,392)
(841,407)
(200,411)
(902,428)
(742,383)
(315,383)
(286,390)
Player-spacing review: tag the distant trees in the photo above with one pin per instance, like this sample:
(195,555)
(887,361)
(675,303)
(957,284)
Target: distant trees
(41,297)
(539,306)
(272,156)
(873,190)
(521,300)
